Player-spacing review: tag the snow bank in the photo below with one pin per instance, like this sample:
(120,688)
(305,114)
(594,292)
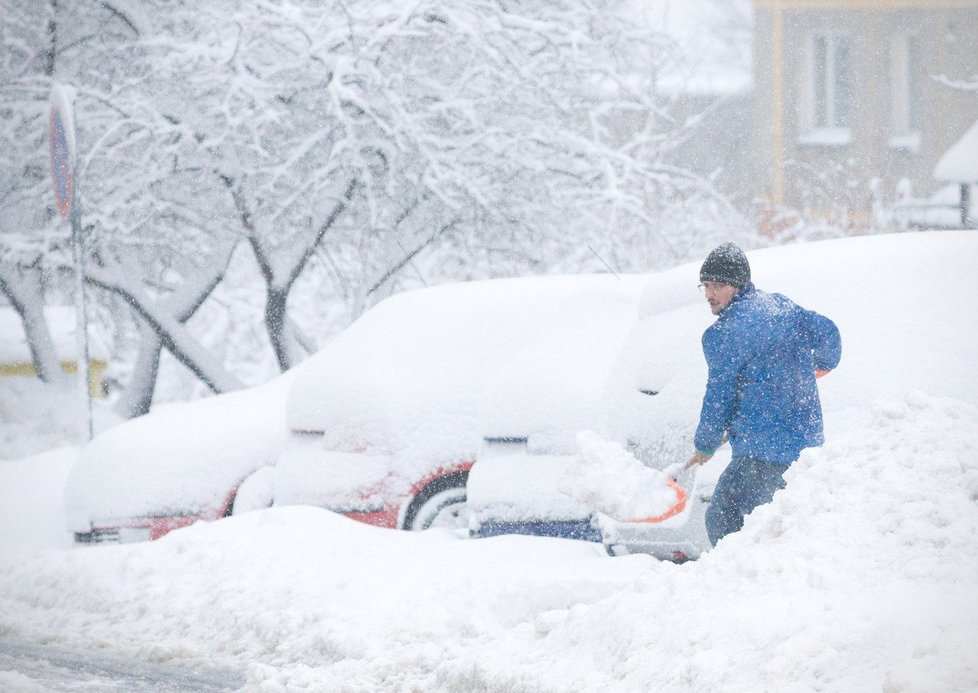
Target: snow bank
(287,585)
(32,502)
(861,575)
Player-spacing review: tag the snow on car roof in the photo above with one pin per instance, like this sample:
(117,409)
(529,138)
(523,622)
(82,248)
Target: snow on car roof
(554,387)
(409,374)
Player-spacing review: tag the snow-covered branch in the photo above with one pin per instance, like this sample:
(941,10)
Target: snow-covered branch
(958,84)
(110,277)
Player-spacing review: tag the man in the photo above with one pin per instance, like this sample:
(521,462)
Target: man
(763,353)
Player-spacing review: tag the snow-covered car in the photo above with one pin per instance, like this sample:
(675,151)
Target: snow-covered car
(382,425)
(897,299)
(386,419)
(461,404)
(182,463)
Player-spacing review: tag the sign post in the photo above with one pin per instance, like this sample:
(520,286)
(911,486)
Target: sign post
(61,129)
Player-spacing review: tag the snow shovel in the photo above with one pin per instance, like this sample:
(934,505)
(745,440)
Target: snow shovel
(611,480)
(671,472)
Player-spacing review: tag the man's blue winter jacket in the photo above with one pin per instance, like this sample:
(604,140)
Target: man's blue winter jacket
(763,352)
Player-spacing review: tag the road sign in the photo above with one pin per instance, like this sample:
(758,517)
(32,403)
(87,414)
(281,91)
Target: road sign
(61,130)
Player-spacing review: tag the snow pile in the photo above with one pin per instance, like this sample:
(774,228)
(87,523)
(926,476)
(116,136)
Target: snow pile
(861,575)
(521,487)
(608,478)
(555,385)
(293,585)
(416,375)
(32,501)
(36,416)
(355,481)
(655,389)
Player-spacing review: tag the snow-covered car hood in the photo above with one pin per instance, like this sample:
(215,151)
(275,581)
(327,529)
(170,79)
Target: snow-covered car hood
(180,459)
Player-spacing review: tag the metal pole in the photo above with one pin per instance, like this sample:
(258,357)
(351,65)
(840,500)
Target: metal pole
(965,190)
(81,320)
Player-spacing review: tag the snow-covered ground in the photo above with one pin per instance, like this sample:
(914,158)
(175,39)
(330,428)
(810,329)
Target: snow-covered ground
(861,575)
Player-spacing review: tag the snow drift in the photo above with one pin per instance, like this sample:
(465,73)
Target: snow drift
(861,575)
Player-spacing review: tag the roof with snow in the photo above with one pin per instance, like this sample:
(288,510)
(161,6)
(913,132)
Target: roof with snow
(959,164)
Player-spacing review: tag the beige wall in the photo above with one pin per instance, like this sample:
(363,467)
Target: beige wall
(787,167)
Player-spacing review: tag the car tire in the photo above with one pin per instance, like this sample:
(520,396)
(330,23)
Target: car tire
(442,503)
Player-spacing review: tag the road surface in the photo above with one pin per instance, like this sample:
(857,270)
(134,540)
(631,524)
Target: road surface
(32,668)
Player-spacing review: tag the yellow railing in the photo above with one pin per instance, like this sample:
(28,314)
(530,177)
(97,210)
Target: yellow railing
(96,369)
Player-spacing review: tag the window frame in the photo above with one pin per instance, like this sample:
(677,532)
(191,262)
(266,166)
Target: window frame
(827,107)
(905,89)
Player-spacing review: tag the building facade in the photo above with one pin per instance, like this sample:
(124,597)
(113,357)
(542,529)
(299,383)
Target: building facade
(852,99)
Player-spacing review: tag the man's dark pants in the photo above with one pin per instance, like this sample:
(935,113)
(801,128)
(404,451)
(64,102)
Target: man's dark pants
(745,484)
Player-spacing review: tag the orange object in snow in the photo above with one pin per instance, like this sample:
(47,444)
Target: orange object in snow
(819,374)
(676,508)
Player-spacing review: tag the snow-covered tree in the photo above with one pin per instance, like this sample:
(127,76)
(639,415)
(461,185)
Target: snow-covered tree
(126,152)
(347,143)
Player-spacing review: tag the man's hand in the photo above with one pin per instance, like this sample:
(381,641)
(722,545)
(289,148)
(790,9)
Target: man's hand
(697,458)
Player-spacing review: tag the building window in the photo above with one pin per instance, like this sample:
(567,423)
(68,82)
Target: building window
(905,86)
(828,98)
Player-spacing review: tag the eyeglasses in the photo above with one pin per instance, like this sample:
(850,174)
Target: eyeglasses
(708,285)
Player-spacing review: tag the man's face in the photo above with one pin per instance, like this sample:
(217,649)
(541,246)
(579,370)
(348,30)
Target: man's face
(719,295)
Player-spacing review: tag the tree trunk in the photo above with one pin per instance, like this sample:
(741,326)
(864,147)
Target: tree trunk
(275,320)
(278,282)
(138,397)
(22,286)
(170,330)
(51,55)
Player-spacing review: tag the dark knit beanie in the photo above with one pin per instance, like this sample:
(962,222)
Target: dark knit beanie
(727,264)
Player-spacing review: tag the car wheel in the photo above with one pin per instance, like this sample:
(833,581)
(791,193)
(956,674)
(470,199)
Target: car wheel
(442,503)
(255,493)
